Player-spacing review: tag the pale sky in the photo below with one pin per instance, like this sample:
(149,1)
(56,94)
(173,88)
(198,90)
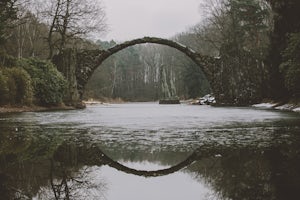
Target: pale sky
(131,19)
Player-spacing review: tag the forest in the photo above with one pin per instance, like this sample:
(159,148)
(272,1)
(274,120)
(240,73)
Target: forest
(257,40)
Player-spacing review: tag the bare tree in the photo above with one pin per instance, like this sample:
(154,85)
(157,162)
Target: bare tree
(212,29)
(25,37)
(69,19)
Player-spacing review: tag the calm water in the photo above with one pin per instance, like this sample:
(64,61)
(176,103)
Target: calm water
(149,151)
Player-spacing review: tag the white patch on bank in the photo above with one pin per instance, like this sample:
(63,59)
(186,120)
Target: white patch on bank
(296,109)
(264,105)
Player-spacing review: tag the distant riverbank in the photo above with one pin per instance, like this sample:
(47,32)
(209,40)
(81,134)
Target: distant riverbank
(18,109)
(291,106)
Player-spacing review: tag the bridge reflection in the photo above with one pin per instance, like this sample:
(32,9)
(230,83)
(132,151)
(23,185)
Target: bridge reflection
(64,183)
(33,166)
(93,155)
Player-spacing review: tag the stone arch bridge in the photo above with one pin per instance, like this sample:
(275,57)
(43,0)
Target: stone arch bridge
(78,67)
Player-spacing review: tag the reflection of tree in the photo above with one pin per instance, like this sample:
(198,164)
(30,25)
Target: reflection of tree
(238,174)
(252,173)
(66,184)
(23,162)
(61,189)
(25,169)
(234,172)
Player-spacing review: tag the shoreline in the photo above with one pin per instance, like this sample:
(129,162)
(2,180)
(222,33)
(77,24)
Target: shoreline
(20,109)
(292,107)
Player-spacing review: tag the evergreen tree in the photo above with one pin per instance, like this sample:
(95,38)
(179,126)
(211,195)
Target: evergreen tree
(286,21)
(242,72)
(8,13)
(291,65)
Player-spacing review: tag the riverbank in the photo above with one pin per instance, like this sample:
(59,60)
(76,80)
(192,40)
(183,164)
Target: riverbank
(103,101)
(290,106)
(34,108)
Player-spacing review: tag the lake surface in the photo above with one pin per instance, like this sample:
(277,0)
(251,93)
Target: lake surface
(149,151)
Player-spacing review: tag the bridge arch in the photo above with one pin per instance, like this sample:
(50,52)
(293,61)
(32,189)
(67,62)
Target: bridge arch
(86,67)
(78,67)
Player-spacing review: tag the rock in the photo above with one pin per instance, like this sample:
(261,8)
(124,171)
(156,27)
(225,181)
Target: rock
(207,100)
(169,101)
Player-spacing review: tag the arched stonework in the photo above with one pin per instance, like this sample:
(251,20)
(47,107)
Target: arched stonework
(90,60)
(86,62)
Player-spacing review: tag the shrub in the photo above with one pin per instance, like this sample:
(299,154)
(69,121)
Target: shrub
(3,89)
(7,60)
(16,86)
(49,84)
(24,89)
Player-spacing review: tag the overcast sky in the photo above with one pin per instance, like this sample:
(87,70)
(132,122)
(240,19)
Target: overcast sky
(130,19)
